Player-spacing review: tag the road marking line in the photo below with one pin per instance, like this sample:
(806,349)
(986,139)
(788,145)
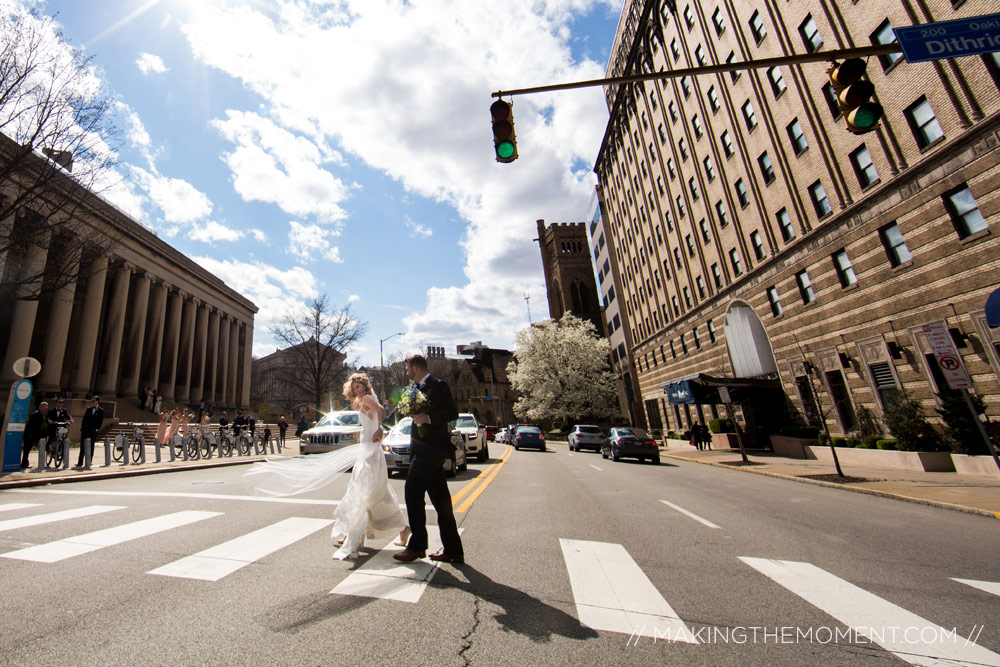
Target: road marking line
(596,468)
(988,586)
(223,559)
(164,494)
(386,578)
(481,476)
(81,544)
(612,593)
(11,524)
(486,482)
(690,514)
(17,506)
(868,615)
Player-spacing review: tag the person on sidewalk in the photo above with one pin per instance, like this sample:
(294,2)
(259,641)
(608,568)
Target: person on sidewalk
(706,438)
(93,418)
(161,430)
(696,435)
(34,429)
(282,427)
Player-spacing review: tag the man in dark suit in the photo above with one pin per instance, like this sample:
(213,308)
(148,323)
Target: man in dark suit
(34,430)
(91,424)
(430,445)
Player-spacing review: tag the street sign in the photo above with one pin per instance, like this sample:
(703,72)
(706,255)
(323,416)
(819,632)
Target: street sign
(947,356)
(950,39)
(724,395)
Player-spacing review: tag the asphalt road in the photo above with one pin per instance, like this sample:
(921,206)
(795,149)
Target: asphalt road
(735,568)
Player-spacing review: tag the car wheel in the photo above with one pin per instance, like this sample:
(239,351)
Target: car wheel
(464,466)
(614,455)
(517,447)
(484,455)
(544,449)
(655,461)
(451,472)
(603,455)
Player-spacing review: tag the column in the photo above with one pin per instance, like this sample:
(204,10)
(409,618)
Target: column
(234,359)
(222,378)
(211,355)
(168,355)
(60,314)
(23,316)
(135,337)
(182,392)
(198,359)
(82,380)
(149,375)
(247,365)
(114,328)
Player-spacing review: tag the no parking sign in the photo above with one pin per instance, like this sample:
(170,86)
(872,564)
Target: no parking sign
(947,356)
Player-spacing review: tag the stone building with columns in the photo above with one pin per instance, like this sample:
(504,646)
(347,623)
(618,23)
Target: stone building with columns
(133,313)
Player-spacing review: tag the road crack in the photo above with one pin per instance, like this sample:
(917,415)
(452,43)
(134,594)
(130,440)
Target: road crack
(467,637)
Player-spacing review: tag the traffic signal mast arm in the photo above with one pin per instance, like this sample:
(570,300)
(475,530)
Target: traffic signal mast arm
(818,56)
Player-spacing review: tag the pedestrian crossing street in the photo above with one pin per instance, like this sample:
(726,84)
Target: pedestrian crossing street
(611,592)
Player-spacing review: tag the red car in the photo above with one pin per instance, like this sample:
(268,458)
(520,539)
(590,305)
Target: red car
(491,432)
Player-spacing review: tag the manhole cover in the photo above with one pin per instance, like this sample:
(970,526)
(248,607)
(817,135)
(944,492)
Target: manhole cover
(205,483)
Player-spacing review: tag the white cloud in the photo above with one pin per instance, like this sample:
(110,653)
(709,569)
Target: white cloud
(309,241)
(180,201)
(354,297)
(148,62)
(417,230)
(259,235)
(212,231)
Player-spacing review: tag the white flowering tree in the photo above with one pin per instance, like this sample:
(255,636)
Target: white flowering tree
(562,372)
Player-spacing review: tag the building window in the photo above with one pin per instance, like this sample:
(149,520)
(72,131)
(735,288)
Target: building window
(659,185)
(645,121)
(923,122)
(830,95)
(711,331)
(820,203)
(727,144)
(690,244)
(666,269)
(717,276)
(682,148)
(677,308)
(662,133)
(686,86)
(688,17)
(741,193)
(864,168)
(766,170)
(699,54)
(805,287)
(684,345)
(842,265)
(884,35)
(703,228)
(680,206)
(894,244)
(719,21)
(992,62)
(720,210)
(734,75)
(964,211)
(758,245)
(672,110)
(693,186)
(749,116)
(797,137)
(734,260)
(709,168)
(652,153)
(696,125)
(670,223)
(670,168)
(810,34)
(696,338)
(675,50)
(713,99)
(687,298)
(785,225)
(757,27)
(701,287)
(775,301)
(652,99)
(777,81)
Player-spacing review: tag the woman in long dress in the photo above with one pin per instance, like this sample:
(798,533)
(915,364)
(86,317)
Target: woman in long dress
(369,507)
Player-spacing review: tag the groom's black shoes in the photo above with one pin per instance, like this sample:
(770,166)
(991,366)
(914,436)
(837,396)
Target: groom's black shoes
(408,555)
(442,557)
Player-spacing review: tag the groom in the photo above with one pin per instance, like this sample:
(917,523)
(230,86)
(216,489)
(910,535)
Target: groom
(426,475)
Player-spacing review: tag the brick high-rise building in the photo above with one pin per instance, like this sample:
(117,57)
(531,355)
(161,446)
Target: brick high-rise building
(569,273)
(753,237)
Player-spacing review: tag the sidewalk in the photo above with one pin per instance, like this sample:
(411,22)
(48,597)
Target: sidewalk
(116,469)
(966,493)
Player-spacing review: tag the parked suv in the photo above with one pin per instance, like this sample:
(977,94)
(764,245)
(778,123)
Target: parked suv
(334,430)
(586,436)
(474,436)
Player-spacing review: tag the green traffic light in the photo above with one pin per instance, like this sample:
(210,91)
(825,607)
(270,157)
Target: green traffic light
(505,149)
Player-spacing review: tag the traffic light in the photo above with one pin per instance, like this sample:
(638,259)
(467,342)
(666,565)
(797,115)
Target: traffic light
(504,141)
(854,93)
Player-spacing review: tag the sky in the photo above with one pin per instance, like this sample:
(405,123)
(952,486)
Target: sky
(343,147)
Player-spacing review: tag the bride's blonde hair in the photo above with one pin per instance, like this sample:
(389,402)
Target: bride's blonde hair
(349,388)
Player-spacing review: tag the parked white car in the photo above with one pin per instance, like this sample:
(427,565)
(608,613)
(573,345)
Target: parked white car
(474,436)
(396,445)
(334,430)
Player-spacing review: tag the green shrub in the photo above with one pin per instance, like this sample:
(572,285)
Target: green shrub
(721,426)
(887,443)
(686,435)
(960,427)
(905,420)
(840,442)
(852,442)
(822,439)
(868,442)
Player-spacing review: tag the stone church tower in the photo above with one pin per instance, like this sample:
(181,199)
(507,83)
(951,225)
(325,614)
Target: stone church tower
(569,274)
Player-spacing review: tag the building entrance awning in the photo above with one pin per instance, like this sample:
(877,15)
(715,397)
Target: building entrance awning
(704,389)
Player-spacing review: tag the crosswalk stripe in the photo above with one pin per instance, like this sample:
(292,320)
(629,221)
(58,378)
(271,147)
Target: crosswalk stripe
(224,559)
(16,506)
(866,614)
(81,544)
(988,586)
(387,578)
(612,593)
(691,515)
(171,494)
(37,520)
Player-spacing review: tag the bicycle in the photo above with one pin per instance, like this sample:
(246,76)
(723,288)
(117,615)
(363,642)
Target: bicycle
(54,447)
(205,445)
(243,441)
(129,446)
(136,443)
(226,441)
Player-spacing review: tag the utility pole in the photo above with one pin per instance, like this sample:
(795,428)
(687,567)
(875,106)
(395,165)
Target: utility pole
(527,300)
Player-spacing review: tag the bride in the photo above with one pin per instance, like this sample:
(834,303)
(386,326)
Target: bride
(369,507)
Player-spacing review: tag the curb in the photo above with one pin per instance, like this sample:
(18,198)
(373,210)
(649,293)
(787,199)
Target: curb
(870,492)
(111,474)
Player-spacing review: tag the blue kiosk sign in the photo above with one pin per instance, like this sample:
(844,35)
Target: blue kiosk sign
(18,407)
(950,39)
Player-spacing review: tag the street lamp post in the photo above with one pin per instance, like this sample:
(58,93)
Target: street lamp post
(381,363)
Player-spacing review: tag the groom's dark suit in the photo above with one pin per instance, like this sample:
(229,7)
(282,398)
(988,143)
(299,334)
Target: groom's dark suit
(426,474)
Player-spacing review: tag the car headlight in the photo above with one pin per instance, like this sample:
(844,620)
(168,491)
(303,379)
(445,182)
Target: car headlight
(386,448)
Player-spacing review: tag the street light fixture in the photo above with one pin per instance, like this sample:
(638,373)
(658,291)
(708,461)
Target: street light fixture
(381,363)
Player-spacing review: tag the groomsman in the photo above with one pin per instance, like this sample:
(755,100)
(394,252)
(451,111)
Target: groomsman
(91,424)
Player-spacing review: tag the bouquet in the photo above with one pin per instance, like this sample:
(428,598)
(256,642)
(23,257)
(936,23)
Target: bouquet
(414,402)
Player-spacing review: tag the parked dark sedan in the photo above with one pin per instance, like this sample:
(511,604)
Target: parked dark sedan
(628,442)
(529,436)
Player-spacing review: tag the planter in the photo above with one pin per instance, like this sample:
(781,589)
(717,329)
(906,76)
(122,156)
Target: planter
(725,441)
(677,444)
(884,458)
(981,466)
(793,448)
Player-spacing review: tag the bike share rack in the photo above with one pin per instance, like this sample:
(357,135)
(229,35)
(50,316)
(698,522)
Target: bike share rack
(43,454)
